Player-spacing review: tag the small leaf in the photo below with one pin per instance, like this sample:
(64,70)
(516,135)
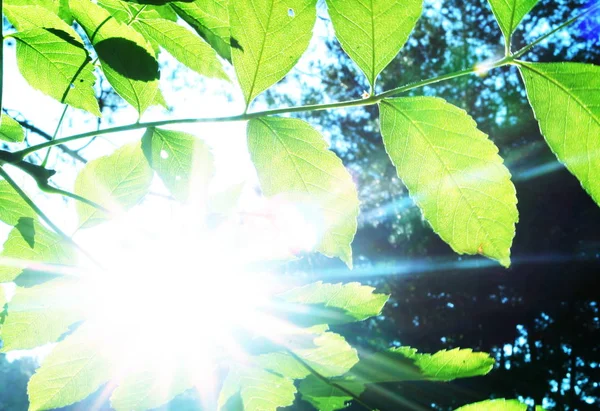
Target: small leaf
(495,405)
(259,390)
(116,182)
(186,47)
(292,158)
(182,161)
(210,19)
(57,65)
(405,364)
(12,206)
(325,397)
(334,303)
(42,314)
(453,173)
(566,101)
(268,41)
(30,243)
(510,13)
(75,368)
(373,32)
(330,357)
(127,59)
(11,130)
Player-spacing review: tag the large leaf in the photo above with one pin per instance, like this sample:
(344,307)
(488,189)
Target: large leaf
(327,397)
(183,162)
(454,174)
(405,364)
(116,182)
(270,36)
(76,368)
(258,390)
(566,101)
(11,130)
(185,46)
(509,13)
(150,388)
(495,405)
(210,19)
(373,32)
(128,60)
(12,206)
(29,244)
(41,314)
(333,303)
(27,15)
(292,158)
(330,357)
(57,65)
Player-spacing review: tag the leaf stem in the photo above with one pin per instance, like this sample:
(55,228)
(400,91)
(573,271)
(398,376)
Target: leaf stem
(572,20)
(60,121)
(314,107)
(327,380)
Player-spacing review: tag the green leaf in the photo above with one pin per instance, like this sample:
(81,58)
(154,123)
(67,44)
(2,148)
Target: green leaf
(149,389)
(76,368)
(186,47)
(11,130)
(331,356)
(54,63)
(126,12)
(12,206)
(26,15)
(292,158)
(325,397)
(495,405)
(453,173)
(566,101)
(127,59)
(210,19)
(116,182)
(334,303)
(183,162)
(373,32)
(509,13)
(30,243)
(42,314)
(405,364)
(270,37)
(259,390)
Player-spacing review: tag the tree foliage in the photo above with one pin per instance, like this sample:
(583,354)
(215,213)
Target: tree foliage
(451,169)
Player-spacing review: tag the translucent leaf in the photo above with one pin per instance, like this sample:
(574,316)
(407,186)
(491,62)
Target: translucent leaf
(373,32)
(12,206)
(127,59)
(258,390)
(26,15)
(510,13)
(268,40)
(125,11)
(292,158)
(185,46)
(210,19)
(182,161)
(11,130)
(75,368)
(58,8)
(324,396)
(405,364)
(42,314)
(30,243)
(150,388)
(566,101)
(334,303)
(495,405)
(116,182)
(331,356)
(56,64)
(453,173)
